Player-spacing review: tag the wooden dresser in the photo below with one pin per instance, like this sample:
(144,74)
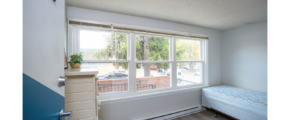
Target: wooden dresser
(81,92)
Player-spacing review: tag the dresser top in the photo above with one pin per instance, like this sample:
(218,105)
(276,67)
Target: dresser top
(80,71)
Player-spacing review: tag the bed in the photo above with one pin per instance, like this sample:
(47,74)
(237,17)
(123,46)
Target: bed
(237,102)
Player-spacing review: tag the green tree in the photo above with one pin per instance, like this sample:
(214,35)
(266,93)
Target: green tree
(115,49)
(148,48)
(191,51)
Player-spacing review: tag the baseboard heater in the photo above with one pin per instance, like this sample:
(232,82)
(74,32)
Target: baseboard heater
(176,114)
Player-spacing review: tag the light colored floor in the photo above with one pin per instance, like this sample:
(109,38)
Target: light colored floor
(204,115)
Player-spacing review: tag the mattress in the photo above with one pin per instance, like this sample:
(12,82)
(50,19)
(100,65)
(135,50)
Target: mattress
(246,100)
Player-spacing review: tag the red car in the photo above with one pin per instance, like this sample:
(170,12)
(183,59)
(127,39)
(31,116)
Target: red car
(153,68)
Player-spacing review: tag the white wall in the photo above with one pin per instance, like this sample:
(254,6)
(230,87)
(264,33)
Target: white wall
(43,41)
(244,57)
(158,105)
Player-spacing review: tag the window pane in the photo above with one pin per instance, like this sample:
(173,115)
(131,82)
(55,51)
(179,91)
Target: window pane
(188,73)
(152,48)
(113,77)
(152,76)
(97,45)
(187,50)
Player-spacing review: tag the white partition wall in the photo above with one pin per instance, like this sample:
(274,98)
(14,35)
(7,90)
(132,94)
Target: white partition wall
(244,52)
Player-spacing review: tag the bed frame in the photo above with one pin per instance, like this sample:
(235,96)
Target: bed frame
(229,110)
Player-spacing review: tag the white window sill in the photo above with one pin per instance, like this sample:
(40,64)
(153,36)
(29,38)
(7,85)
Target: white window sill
(111,100)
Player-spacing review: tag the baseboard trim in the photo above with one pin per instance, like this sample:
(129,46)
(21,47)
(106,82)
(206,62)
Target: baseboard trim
(174,114)
(182,115)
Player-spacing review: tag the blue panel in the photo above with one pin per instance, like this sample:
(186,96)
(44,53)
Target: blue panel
(39,101)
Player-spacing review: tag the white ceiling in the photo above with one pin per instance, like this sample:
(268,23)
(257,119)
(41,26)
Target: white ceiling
(215,14)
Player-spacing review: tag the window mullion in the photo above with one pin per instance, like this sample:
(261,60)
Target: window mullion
(201,49)
(173,64)
(202,72)
(132,64)
(77,41)
(205,62)
(129,44)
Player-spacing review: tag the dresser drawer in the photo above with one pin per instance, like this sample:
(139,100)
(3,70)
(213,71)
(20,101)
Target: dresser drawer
(83,114)
(78,88)
(79,97)
(79,79)
(76,106)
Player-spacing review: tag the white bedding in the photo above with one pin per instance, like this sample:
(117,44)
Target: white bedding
(248,101)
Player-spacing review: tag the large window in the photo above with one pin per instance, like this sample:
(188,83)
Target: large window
(137,62)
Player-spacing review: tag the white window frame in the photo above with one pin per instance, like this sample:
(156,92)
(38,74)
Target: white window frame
(202,54)
(74,45)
